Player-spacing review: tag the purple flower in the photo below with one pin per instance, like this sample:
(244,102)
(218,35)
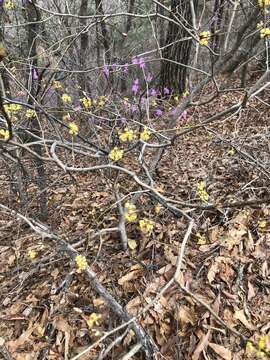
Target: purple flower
(173,112)
(149,78)
(34,74)
(106,70)
(135,86)
(153,92)
(114,66)
(183,116)
(126,68)
(141,63)
(135,61)
(166,91)
(159,112)
(133,108)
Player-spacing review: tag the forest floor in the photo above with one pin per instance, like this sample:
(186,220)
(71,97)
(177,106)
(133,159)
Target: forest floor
(48,311)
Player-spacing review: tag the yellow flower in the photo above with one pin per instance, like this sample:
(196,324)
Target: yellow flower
(102,101)
(126,135)
(265,32)
(4,133)
(30,113)
(66,98)
(262,343)
(249,346)
(9,5)
(116,154)
(87,103)
(231,152)
(201,240)
(56,85)
(204,196)
(260,25)
(158,209)
(32,254)
(12,107)
(130,212)
(81,263)
(263,3)
(262,224)
(146,225)
(176,98)
(185,93)
(204,38)
(145,135)
(93,320)
(73,128)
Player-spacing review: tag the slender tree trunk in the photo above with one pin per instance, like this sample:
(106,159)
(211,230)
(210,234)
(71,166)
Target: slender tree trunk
(104,32)
(216,24)
(176,54)
(33,16)
(84,43)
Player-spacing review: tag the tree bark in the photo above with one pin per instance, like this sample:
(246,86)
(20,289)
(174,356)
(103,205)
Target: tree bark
(176,54)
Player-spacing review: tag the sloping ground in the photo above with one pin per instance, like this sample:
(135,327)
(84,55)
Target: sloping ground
(49,311)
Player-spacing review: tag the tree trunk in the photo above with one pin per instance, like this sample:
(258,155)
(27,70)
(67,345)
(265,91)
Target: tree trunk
(33,16)
(84,43)
(176,54)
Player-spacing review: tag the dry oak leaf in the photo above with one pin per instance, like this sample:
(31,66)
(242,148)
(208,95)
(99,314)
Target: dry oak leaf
(240,315)
(221,351)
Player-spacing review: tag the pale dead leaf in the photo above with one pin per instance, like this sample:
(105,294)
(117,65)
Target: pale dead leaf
(251,291)
(202,345)
(132,244)
(129,276)
(221,351)
(185,315)
(240,315)
(212,272)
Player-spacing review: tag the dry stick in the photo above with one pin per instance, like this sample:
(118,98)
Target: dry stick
(132,352)
(104,353)
(122,223)
(147,343)
(197,299)
(162,199)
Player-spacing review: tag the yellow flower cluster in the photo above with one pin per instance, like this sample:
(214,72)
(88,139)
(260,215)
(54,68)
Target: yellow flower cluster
(56,85)
(73,128)
(66,98)
(264,3)
(204,196)
(116,154)
(81,263)
(30,113)
(146,225)
(87,102)
(264,32)
(204,38)
(32,254)
(93,320)
(130,212)
(12,107)
(9,5)
(260,25)
(4,133)
(126,135)
(261,349)
(262,224)
(145,134)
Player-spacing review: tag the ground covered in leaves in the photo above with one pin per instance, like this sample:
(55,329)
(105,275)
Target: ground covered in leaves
(50,311)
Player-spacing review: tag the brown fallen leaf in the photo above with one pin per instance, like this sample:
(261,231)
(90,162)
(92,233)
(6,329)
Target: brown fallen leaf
(240,315)
(202,345)
(221,351)
(132,275)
